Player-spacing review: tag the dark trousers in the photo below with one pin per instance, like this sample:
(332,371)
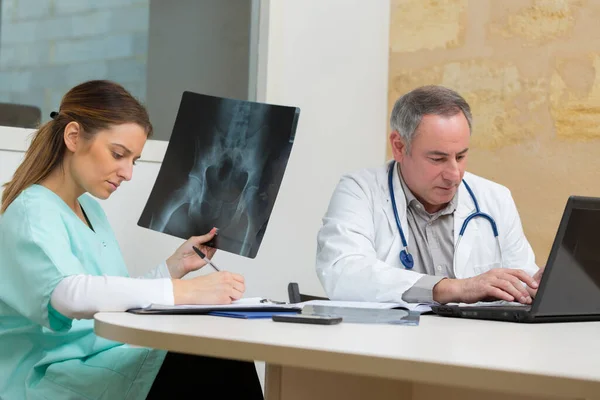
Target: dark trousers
(189,376)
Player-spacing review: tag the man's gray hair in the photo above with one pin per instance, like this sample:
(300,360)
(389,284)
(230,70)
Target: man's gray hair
(411,107)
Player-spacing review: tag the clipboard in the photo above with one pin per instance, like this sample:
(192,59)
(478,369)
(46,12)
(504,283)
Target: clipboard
(256,304)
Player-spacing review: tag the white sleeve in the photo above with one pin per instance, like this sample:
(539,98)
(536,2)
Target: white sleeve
(346,262)
(516,250)
(161,271)
(81,296)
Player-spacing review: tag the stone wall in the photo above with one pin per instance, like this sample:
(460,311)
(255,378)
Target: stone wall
(48,46)
(530,70)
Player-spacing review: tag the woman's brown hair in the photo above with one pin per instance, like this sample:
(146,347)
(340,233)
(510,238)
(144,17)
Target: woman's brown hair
(95,105)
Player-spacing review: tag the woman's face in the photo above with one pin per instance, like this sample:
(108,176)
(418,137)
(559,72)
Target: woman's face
(99,165)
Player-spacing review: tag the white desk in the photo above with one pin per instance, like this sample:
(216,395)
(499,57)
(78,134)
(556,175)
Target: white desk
(443,357)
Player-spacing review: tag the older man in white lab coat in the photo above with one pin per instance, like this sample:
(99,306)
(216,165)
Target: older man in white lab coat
(362,255)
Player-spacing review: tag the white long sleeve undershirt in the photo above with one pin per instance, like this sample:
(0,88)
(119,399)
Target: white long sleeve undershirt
(81,296)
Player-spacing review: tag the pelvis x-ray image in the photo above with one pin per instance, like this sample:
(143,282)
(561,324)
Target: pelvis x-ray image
(223,168)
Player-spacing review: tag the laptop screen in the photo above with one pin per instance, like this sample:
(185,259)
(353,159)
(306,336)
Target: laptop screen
(571,282)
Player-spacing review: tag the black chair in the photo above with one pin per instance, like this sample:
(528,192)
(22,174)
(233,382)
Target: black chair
(296,297)
(19,115)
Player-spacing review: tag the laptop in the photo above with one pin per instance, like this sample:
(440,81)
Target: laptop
(570,286)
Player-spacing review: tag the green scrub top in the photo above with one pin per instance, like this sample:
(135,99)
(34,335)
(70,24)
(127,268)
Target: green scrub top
(43,354)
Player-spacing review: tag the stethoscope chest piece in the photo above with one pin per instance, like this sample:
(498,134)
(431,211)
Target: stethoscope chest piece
(407,259)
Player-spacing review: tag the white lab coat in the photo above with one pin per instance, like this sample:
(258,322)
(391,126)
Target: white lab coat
(359,244)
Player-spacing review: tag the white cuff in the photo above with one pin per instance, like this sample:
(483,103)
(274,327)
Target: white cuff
(160,271)
(81,296)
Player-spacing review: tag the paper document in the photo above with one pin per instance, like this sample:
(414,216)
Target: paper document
(418,307)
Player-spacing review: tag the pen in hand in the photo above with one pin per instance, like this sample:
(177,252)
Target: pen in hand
(206,259)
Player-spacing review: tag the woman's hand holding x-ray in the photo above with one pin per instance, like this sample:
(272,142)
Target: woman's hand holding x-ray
(185,260)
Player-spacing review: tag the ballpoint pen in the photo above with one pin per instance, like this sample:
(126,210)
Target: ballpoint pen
(206,259)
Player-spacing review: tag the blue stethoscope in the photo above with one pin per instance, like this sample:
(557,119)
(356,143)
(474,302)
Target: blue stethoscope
(405,257)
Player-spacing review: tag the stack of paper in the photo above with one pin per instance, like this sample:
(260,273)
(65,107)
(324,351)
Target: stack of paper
(417,307)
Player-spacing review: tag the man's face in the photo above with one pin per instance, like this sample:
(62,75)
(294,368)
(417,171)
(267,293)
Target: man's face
(436,162)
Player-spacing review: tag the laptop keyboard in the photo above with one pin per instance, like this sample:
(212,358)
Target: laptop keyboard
(499,303)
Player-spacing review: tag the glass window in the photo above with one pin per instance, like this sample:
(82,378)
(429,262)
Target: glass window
(156,49)
(49,46)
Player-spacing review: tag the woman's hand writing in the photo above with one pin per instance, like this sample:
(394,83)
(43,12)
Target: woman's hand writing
(216,288)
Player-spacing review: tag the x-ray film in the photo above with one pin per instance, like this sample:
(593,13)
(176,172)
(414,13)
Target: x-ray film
(223,168)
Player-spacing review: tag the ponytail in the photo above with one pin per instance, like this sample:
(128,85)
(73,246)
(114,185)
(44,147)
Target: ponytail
(45,153)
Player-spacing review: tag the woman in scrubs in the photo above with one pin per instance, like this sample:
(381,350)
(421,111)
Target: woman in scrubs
(60,263)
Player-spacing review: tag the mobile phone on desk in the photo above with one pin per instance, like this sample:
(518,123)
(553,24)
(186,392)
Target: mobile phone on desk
(307,319)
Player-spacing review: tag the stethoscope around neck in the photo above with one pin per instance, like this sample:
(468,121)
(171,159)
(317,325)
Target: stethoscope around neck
(405,257)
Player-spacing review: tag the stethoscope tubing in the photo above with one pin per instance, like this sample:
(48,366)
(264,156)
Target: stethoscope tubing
(405,257)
